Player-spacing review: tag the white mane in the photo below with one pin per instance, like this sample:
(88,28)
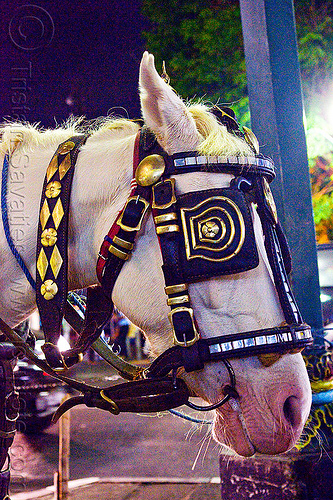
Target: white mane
(215,137)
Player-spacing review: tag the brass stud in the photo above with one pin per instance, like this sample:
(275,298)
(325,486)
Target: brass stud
(150,170)
(49,237)
(53,189)
(49,289)
(209,229)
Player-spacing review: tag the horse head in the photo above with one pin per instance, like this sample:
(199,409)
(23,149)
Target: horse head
(228,302)
(274,394)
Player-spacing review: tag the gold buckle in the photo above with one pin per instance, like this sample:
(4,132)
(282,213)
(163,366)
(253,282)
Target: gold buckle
(138,227)
(186,343)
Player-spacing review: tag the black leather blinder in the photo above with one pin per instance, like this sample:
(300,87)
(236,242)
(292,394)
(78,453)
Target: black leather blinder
(218,236)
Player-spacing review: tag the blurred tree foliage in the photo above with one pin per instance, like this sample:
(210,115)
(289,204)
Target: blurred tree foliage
(201,42)
(315,40)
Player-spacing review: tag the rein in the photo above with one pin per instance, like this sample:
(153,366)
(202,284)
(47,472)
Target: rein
(201,235)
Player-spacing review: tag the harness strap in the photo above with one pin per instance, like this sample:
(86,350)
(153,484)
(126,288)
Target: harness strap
(289,338)
(52,241)
(140,396)
(168,229)
(98,311)
(192,161)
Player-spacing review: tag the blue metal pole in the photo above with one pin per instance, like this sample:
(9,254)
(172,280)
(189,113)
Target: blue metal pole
(276,105)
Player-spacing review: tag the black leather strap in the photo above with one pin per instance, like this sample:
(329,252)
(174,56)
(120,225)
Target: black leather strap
(52,242)
(192,161)
(273,236)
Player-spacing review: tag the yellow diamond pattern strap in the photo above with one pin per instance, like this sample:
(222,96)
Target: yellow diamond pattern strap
(52,240)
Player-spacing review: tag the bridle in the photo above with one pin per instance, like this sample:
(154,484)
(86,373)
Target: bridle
(201,235)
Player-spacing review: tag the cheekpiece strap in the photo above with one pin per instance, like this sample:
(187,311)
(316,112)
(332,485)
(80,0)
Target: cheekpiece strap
(168,231)
(52,241)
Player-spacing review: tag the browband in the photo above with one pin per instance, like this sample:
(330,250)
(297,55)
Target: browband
(192,161)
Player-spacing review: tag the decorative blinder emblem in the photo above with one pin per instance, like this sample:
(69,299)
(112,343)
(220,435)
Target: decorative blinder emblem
(218,233)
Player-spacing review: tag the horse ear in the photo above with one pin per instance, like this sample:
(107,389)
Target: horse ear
(164,112)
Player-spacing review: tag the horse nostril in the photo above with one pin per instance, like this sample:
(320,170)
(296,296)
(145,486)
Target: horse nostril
(292,411)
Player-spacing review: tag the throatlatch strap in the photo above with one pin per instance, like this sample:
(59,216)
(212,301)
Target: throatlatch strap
(52,254)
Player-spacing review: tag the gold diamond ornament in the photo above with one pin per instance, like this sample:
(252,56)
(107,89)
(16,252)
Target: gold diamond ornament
(56,261)
(64,166)
(53,189)
(58,213)
(49,237)
(49,289)
(65,148)
(44,214)
(42,264)
(52,168)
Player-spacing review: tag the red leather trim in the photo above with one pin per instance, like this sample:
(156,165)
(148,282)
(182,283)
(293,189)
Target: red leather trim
(103,252)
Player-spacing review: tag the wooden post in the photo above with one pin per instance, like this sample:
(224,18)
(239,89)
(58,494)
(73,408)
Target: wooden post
(64,454)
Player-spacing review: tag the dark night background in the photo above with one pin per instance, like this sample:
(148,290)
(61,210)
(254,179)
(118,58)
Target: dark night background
(59,58)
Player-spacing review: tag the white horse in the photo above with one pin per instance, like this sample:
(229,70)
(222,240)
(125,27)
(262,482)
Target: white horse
(274,401)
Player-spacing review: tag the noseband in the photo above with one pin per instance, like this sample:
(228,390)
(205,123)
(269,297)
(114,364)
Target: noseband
(202,235)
